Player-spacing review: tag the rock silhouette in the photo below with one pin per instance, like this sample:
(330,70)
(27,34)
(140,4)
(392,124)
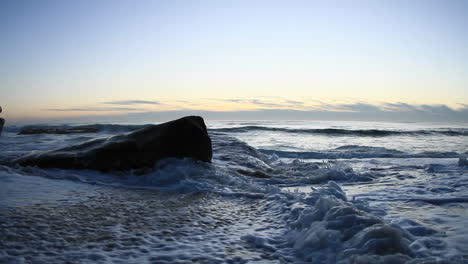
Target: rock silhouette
(181,138)
(2,122)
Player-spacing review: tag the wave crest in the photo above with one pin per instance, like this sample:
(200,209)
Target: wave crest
(346,132)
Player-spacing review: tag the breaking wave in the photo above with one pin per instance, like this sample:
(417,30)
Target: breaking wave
(346,132)
(110,128)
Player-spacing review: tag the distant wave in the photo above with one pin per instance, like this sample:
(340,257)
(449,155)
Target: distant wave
(67,129)
(118,128)
(358,152)
(345,132)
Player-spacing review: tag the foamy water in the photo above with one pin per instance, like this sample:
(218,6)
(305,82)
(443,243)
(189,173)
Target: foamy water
(339,192)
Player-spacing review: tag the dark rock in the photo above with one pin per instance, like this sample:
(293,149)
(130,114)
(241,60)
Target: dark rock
(68,130)
(2,122)
(185,137)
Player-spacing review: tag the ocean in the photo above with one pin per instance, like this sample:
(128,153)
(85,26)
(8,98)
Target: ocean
(328,192)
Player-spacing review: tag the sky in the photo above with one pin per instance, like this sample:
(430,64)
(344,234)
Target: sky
(364,60)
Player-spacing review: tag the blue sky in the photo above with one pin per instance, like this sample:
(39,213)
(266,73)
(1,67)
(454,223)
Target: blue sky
(83,58)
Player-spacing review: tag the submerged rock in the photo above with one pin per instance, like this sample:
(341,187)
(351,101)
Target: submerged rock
(184,137)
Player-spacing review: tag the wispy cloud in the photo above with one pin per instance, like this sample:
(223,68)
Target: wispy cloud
(108,108)
(282,109)
(396,107)
(353,107)
(277,103)
(232,100)
(94,109)
(294,103)
(132,102)
(438,109)
(265,103)
(399,111)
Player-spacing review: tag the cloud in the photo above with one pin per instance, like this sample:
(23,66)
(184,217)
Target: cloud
(232,100)
(388,109)
(94,109)
(294,103)
(396,112)
(264,103)
(352,107)
(356,111)
(109,109)
(434,109)
(287,110)
(398,107)
(132,102)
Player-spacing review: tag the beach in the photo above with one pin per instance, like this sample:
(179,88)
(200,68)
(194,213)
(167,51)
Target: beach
(275,192)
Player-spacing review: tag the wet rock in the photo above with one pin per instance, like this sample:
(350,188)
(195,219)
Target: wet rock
(186,137)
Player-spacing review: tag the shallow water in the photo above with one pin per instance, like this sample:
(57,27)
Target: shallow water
(339,192)
(121,225)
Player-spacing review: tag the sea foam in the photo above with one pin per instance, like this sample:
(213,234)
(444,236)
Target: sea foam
(368,205)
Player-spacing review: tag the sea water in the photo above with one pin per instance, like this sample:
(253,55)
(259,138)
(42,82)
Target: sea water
(336,192)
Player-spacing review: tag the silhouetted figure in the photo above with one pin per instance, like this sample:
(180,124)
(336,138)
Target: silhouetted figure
(2,122)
